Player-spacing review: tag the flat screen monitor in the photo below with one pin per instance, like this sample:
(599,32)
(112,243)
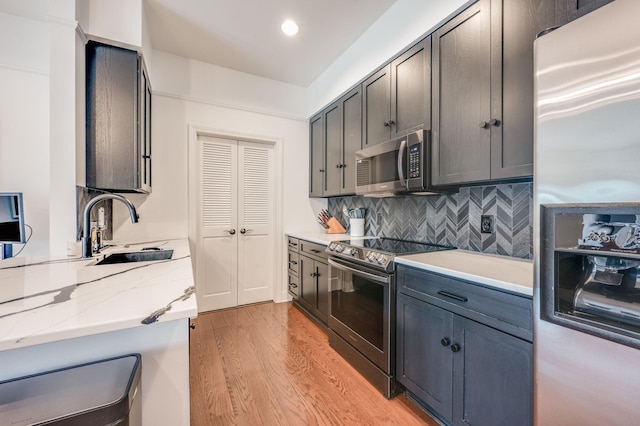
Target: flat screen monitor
(11,218)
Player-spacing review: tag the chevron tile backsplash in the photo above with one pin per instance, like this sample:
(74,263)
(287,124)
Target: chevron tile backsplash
(452,219)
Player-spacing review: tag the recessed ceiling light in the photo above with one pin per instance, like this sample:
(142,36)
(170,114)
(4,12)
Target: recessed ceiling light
(289,27)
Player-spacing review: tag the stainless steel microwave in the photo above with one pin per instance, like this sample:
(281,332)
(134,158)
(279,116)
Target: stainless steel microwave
(400,165)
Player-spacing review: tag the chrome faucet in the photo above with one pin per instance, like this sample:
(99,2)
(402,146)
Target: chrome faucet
(86,233)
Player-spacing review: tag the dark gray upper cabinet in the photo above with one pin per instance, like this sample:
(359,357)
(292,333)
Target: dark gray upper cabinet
(461,98)
(483,91)
(396,98)
(351,104)
(316,156)
(376,107)
(118,120)
(411,90)
(512,141)
(335,136)
(568,10)
(333,148)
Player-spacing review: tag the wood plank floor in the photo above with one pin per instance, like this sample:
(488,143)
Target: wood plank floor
(268,364)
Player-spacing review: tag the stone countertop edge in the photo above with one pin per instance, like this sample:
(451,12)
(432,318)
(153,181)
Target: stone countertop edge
(500,272)
(322,238)
(504,273)
(44,300)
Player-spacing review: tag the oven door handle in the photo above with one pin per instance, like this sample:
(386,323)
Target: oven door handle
(373,277)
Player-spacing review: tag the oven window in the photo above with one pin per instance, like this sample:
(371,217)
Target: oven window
(359,304)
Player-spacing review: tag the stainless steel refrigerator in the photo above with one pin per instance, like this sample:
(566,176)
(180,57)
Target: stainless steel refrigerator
(587,220)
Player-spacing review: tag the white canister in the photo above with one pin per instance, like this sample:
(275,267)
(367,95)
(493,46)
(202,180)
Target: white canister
(356,227)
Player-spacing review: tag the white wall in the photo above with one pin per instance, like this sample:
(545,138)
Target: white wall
(188,92)
(404,22)
(118,20)
(62,130)
(24,119)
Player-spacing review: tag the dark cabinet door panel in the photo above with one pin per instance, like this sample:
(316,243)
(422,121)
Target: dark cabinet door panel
(322,293)
(493,378)
(376,92)
(461,97)
(316,156)
(424,357)
(351,138)
(569,10)
(411,89)
(333,150)
(307,292)
(118,120)
(512,141)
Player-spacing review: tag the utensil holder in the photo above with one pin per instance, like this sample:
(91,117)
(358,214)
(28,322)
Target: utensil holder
(356,227)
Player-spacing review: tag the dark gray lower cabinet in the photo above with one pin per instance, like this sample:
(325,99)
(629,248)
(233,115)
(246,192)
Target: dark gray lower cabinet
(314,287)
(464,371)
(424,366)
(492,380)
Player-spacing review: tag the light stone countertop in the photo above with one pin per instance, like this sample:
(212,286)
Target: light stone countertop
(44,300)
(501,272)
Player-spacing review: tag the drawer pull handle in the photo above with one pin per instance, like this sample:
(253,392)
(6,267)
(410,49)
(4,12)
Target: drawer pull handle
(445,341)
(293,285)
(455,347)
(293,262)
(452,296)
(316,251)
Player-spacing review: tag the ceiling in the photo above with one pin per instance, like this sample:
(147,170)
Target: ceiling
(245,35)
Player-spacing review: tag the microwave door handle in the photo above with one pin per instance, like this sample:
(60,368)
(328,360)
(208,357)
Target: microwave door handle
(403,146)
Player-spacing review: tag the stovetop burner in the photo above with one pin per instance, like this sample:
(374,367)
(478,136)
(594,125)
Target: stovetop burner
(379,252)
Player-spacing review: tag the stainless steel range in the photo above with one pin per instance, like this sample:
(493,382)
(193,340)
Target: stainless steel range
(362,304)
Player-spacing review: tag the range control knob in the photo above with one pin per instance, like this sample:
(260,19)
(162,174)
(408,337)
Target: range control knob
(371,256)
(383,260)
(331,246)
(339,248)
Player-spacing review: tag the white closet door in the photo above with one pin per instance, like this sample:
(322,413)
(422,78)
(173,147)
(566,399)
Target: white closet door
(255,222)
(217,262)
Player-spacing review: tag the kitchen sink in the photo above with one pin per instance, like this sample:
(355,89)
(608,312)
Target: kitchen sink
(136,256)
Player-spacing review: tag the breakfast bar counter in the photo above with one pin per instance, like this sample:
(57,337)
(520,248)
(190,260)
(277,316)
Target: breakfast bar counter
(59,312)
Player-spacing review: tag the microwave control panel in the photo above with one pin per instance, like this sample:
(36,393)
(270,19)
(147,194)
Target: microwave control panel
(414,161)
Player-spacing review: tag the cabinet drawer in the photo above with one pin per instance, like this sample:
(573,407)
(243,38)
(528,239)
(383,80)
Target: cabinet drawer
(293,244)
(294,285)
(503,311)
(313,249)
(293,261)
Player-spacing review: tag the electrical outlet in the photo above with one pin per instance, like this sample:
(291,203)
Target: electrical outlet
(486,224)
